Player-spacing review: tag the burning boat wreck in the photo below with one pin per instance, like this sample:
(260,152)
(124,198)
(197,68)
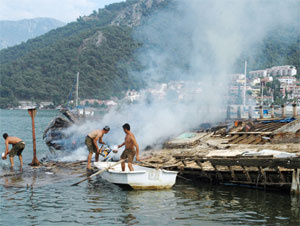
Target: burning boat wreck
(54,136)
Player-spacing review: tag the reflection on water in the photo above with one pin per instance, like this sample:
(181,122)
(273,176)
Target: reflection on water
(50,200)
(99,202)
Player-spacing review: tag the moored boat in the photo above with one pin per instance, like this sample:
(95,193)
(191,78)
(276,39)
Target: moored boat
(140,178)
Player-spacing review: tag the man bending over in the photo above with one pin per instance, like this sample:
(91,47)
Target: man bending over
(17,148)
(91,142)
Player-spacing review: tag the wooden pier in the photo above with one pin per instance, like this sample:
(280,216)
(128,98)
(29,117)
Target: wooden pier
(260,172)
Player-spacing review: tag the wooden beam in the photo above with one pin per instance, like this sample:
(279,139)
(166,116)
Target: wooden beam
(248,133)
(219,175)
(239,139)
(249,139)
(232,173)
(263,173)
(289,163)
(281,176)
(246,173)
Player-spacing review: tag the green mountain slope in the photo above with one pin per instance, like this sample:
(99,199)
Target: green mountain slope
(103,49)
(99,46)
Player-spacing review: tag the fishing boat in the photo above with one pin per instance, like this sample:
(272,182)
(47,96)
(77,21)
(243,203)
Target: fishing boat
(140,178)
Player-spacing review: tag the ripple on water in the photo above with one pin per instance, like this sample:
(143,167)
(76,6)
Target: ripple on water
(97,202)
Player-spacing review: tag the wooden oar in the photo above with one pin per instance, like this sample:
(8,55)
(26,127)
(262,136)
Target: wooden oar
(100,171)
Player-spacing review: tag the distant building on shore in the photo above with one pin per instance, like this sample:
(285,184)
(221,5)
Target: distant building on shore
(286,70)
(287,80)
(26,104)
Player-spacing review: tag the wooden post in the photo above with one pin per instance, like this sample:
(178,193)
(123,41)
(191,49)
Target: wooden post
(295,110)
(84,112)
(261,113)
(282,178)
(272,111)
(250,112)
(218,174)
(263,173)
(295,187)
(246,173)
(232,173)
(239,112)
(228,112)
(35,161)
(283,110)
(202,169)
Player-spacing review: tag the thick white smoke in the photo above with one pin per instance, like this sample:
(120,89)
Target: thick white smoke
(196,41)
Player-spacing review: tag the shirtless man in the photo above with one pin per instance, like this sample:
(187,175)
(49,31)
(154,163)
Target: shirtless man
(91,142)
(17,148)
(131,148)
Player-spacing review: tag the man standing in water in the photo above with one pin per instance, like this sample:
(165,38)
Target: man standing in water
(91,142)
(17,148)
(131,148)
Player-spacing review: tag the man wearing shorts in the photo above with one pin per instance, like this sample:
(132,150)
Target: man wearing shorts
(131,148)
(17,148)
(91,142)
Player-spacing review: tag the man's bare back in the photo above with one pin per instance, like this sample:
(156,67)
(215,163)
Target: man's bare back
(131,148)
(91,141)
(130,141)
(13,140)
(96,133)
(17,148)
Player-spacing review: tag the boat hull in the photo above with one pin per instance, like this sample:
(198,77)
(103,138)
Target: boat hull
(140,178)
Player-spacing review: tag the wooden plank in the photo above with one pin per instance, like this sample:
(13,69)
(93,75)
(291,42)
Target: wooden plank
(289,163)
(255,161)
(248,133)
(233,138)
(257,140)
(249,139)
(239,139)
(262,184)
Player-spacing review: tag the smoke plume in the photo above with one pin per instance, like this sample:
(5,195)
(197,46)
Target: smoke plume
(197,42)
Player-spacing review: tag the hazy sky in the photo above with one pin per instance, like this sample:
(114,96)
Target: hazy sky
(64,10)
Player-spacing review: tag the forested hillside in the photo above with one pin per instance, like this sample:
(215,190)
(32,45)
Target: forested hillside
(103,49)
(99,46)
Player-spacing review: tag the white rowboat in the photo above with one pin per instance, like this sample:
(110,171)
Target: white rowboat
(140,178)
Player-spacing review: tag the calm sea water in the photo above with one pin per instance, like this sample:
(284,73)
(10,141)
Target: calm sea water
(98,202)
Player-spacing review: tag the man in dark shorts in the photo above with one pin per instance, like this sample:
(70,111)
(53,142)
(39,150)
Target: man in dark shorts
(17,148)
(131,148)
(91,142)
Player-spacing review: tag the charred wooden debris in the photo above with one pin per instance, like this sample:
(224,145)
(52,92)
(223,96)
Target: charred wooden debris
(266,131)
(258,153)
(258,171)
(54,136)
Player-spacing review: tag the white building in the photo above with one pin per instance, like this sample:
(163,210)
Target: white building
(26,104)
(132,95)
(238,78)
(289,80)
(258,73)
(286,70)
